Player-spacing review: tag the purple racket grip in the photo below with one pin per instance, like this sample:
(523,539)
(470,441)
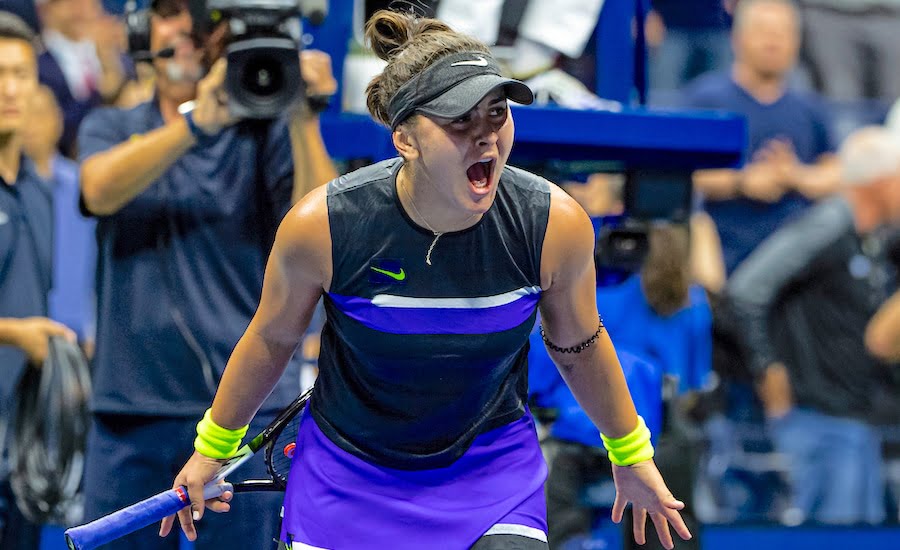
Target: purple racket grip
(138,515)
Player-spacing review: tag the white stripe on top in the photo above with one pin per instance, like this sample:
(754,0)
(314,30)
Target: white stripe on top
(497,529)
(516,529)
(390,300)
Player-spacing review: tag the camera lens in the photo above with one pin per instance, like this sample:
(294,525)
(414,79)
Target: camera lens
(263,76)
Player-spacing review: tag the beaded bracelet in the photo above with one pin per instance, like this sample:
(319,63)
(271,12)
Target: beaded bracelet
(215,441)
(574,349)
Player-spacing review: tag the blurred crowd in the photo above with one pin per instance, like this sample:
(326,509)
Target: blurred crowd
(760,339)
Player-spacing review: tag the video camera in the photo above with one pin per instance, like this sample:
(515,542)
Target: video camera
(650,196)
(264,40)
(262,46)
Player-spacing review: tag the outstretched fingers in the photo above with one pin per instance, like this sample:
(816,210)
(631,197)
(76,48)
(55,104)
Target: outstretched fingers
(662,530)
(670,509)
(638,524)
(618,509)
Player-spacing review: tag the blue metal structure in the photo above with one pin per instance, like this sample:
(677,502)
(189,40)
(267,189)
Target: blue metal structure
(636,136)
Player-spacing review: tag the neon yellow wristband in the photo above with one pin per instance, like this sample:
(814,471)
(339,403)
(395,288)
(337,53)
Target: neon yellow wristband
(630,449)
(215,441)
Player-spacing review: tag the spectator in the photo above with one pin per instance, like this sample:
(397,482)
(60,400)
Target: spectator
(851,47)
(74,247)
(187,202)
(26,240)
(83,63)
(686,39)
(803,300)
(788,140)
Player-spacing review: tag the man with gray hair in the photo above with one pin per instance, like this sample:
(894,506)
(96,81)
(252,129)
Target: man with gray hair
(803,300)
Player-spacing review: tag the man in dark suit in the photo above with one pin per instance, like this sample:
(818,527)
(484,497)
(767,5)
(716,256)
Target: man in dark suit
(82,62)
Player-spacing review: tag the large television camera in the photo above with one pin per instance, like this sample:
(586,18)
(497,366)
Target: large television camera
(262,46)
(649,196)
(261,40)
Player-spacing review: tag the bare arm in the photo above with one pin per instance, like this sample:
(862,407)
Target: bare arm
(297,271)
(818,180)
(759,181)
(707,264)
(883,331)
(108,36)
(569,316)
(312,165)
(112,178)
(718,184)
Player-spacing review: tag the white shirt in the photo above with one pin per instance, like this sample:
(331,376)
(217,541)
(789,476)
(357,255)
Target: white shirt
(78,61)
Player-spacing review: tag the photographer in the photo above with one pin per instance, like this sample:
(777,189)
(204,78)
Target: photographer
(187,204)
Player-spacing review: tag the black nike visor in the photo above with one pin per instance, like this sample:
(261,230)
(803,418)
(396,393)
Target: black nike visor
(452,86)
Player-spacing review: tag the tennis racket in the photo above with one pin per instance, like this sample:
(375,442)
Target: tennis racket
(278,441)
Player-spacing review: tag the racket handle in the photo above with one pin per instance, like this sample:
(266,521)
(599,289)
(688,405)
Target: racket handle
(138,515)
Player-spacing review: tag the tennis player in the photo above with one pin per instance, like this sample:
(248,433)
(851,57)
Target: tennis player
(432,266)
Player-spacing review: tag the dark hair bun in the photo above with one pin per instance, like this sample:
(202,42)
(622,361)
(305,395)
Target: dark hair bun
(387,32)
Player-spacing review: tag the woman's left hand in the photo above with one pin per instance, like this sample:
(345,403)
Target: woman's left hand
(643,486)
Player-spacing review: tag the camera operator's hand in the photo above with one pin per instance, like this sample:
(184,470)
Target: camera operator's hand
(211,112)
(315,67)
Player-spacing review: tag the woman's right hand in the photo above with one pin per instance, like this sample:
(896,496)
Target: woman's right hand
(198,471)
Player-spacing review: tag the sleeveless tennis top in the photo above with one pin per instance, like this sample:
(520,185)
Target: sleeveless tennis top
(417,360)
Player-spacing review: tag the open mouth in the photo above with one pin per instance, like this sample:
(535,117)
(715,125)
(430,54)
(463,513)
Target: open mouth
(480,175)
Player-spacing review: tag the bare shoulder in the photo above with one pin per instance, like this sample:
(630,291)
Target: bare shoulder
(311,208)
(569,240)
(304,238)
(569,226)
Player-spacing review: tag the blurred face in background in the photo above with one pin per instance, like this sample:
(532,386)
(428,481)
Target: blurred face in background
(18,82)
(177,76)
(45,124)
(74,19)
(766,38)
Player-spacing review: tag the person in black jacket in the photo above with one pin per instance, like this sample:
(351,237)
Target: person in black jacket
(803,300)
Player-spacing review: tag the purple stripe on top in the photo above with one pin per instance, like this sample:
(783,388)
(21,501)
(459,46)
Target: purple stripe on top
(438,320)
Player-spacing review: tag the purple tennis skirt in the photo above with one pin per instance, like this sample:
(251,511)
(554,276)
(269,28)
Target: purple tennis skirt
(337,501)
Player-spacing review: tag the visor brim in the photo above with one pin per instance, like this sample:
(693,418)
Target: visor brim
(463,97)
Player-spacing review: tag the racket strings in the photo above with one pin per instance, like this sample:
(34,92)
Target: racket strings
(282,451)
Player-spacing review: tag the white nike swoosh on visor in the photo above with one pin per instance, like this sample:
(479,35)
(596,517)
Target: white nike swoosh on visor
(480,62)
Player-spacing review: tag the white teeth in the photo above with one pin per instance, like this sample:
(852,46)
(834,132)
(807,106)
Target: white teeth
(481,183)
